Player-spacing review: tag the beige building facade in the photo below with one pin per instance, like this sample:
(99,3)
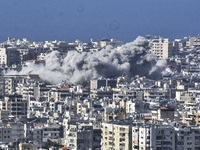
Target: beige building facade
(163,48)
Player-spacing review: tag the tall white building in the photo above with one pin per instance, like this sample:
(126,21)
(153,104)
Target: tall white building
(164,48)
(9,56)
(3,56)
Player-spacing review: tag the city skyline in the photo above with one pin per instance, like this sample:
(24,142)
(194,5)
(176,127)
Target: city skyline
(99,75)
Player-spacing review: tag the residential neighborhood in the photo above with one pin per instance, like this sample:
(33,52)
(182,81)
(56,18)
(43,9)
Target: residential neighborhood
(146,96)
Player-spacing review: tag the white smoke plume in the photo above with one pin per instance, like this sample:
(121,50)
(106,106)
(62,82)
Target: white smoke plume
(130,59)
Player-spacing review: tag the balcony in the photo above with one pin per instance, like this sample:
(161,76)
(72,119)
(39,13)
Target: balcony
(122,140)
(111,138)
(71,135)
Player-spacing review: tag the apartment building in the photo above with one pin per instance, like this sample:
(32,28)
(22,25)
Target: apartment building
(12,132)
(18,131)
(79,136)
(5,134)
(192,118)
(165,113)
(34,134)
(155,94)
(193,41)
(52,131)
(59,94)
(16,106)
(11,82)
(136,106)
(153,137)
(116,136)
(124,94)
(187,138)
(163,48)
(114,113)
(96,84)
(9,56)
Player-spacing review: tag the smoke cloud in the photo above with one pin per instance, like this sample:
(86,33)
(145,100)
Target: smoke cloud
(130,59)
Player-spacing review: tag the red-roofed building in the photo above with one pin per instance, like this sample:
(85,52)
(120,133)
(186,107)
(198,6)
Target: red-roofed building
(32,60)
(62,89)
(147,117)
(64,148)
(83,89)
(38,124)
(163,108)
(41,62)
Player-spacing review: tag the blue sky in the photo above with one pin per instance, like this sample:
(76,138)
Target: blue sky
(68,20)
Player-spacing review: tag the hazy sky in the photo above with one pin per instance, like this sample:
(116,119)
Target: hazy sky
(68,20)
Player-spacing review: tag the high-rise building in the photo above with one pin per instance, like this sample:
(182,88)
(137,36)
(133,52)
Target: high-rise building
(163,48)
(116,136)
(9,57)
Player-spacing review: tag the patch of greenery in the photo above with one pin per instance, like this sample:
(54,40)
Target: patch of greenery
(49,144)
